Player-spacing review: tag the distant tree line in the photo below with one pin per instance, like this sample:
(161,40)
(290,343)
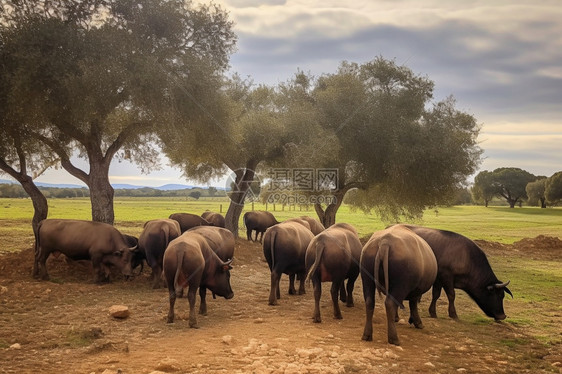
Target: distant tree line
(8,190)
(517,186)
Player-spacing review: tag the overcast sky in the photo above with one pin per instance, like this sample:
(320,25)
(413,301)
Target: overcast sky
(501,60)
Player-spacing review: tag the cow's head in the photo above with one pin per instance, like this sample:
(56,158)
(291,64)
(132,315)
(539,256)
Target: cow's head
(220,284)
(490,300)
(123,259)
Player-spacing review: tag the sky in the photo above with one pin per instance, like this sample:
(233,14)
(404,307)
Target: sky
(500,60)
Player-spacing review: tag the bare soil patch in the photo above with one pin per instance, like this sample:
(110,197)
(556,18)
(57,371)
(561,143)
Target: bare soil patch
(63,325)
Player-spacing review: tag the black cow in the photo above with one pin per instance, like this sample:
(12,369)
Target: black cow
(190,261)
(258,221)
(99,242)
(284,248)
(400,264)
(333,255)
(463,265)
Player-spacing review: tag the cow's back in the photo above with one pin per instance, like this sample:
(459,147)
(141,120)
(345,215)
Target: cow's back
(220,240)
(77,239)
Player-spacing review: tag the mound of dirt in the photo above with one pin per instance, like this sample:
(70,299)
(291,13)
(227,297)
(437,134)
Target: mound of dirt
(541,247)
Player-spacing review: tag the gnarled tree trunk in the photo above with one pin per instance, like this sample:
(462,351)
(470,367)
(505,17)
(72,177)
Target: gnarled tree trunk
(244,178)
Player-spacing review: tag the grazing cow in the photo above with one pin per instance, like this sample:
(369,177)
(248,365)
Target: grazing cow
(188,220)
(99,242)
(258,221)
(315,226)
(215,218)
(401,265)
(299,221)
(463,265)
(284,248)
(190,261)
(222,242)
(153,240)
(333,255)
(138,256)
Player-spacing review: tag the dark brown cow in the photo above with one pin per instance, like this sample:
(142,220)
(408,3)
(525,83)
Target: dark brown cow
(462,264)
(188,220)
(138,256)
(258,221)
(153,240)
(215,218)
(315,226)
(284,248)
(99,242)
(400,264)
(222,242)
(333,255)
(190,261)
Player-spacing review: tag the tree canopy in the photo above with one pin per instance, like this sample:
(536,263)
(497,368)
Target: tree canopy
(508,183)
(97,77)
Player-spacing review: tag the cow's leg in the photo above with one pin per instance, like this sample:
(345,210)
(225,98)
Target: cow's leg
(343,294)
(391,309)
(191,298)
(249,234)
(369,296)
(203,305)
(42,266)
(414,314)
(334,291)
(274,293)
(317,286)
(450,292)
(261,236)
(99,272)
(172,297)
(435,293)
(156,277)
(350,287)
(292,289)
(301,277)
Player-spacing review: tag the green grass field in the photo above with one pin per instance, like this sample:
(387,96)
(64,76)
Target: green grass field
(499,224)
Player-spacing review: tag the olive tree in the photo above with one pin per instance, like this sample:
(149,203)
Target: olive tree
(99,76)
(553,188)
(511,183)
(536,192)
(484,190)
(387,140)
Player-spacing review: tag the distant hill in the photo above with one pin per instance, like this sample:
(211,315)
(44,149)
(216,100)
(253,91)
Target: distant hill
(117,186)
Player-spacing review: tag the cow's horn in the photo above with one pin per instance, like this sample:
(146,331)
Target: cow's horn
(133,248)
(501,285)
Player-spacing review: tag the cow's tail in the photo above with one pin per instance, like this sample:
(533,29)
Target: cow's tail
(178,288)
(382,257)
(272,248)
(319,251)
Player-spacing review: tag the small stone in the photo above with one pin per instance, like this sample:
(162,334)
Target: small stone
(15,346)
(429,364)
(167,365)
(3,290)
(259,320)
(227,339)
(461,370)
(119,311)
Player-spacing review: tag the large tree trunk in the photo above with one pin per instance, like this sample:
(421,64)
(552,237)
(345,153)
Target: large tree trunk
(39,201)
(543,202)
(101,195)
(328,216)
(244,177)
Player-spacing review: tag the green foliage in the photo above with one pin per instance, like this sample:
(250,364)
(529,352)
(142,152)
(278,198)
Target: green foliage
(508,183)
(553,188)
(536,192)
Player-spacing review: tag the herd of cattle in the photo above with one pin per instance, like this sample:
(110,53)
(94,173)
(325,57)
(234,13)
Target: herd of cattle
(196,252)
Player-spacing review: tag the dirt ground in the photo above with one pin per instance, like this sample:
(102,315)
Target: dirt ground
(63,325)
